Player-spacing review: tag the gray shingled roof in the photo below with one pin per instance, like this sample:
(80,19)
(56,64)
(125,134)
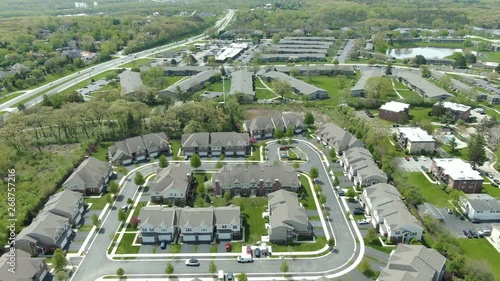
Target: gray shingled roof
(429,88)
(356,154)
(310,38)
(400,217)
(300,45)
(227,215)
(189,68)
(65,201)
(90,170)
(195,140)
(303,43)
(155,140)
(338,136)
(365,75)
(371,170)
(230,174)
(196,217)
(192,82)
(298,85)
(325,68)
(259,123)
(280,50)
(483,202)
(129,81)
(412,263)
(45,224)
(26,267)
(285,210)
(175,176)
(293,120)
(158,216)
(229,139)
(242,82)
(285,57)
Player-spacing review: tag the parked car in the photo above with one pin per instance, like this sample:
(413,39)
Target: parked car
(163,244)
(230,277)
(283,148)
(340,192)
(423,158)
(466,233)
(424,168)
(257,252)
(407,158)
(124,208)
(449,211)
(357,212)
(415,158)
(363,221)
(244,259)
(462,217)
(474,233)
(496,181)
(192,262)
(484,232)
(228,247)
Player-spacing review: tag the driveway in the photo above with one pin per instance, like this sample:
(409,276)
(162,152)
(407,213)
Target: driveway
(188,248)
(205,248)
(148,249)
(456,226)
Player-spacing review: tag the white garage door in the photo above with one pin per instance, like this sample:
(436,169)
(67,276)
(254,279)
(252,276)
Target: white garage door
(44,273)
(187,238)
(188,153)
(77,220)
(140,158)
(154,154)
(125,162)
(242,153)
(225,236)
(64,242)
(204,238)
(215,153)
(148,239)
(167,237)
(203,153)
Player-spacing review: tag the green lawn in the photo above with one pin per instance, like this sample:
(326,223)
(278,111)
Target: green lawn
(306,192)
(332,84)
(176,146)
(174,248)
(251,209)
(174,79)
(136,63)
(480,249)
(491,56)
(491,190)
(459,153)
(434,195)
(97,203)
(419,114)
(126,247)
(378,246)
(264,93)
(8,97)
(300,247)
(213,249)
(102,151)
(85,227)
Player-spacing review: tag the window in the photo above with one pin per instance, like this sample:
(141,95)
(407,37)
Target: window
(151,229)
(235,227)
(188,229)
(203,229)
(224,226)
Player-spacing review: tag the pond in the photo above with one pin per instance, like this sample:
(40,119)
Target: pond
(427,52)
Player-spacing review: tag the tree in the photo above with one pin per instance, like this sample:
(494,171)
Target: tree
(419,60)
(453,144)
(331,242)
(134,221)
(455,196)
(336,62)
(219,164)
(59,261)
(477,152)
(162,161)
(139,179)
(212,267)
(278,133)
(388,69)
(95,220)
(169,269)
(309,118)
(478,271)
(281,88)
(378,88)
(195,161)
(242,277)
(227,196)
(460,61)
(120,272)
(425,71)
(289,132)
(351,194)
(322,199)
(295,165)
(113,187)
(122,216)
(130,201)
(371,236)
(313,172)
(109,198)
(366,268)
(333,154)
(284,267)
(61,276)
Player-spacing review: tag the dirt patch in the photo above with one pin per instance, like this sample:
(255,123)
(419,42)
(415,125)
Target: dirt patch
(64,149)
(260,112)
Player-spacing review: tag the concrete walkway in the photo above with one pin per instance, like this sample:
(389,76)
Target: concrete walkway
(396,90)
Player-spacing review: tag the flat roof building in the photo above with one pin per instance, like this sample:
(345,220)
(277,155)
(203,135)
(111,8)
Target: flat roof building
(415,140)
(458,174)
(394,111)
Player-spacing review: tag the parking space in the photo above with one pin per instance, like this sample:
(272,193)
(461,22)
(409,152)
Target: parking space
(315,223)
(319,232)
(456,226)
(205,248)
(312,213)
(188,248)
(221,248)
(148,249)
(412,165)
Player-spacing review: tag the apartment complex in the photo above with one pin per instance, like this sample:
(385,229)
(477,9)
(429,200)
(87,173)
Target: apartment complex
(414,140)
(457,174)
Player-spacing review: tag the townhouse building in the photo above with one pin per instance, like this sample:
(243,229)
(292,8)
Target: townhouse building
(215,144)
(89,177)
(337,138)
(480,207)
(265,126)
(173,185)
(139,148)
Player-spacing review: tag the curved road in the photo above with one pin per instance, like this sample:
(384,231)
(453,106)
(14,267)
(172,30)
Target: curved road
(345,257)
(70,80)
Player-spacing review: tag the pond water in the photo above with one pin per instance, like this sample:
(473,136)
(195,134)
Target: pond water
(427,52)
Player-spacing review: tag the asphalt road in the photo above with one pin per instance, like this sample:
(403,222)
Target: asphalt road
(70,80)
(344,258)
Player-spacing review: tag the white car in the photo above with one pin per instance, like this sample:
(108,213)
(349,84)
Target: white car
(364,221)
(192,262)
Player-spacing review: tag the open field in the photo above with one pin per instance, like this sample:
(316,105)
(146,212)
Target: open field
(480,249)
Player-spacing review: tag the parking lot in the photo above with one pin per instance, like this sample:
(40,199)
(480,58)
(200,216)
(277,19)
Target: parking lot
(455,225)
(412,165)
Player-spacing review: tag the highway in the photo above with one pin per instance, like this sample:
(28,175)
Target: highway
(72,79)
(346,256)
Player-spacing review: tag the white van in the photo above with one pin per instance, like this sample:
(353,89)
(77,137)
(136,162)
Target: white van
(244,258)
(220,275)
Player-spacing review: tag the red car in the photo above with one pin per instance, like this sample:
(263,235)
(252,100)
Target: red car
(228,247)
(407,158)
(283,148)
(249,250)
